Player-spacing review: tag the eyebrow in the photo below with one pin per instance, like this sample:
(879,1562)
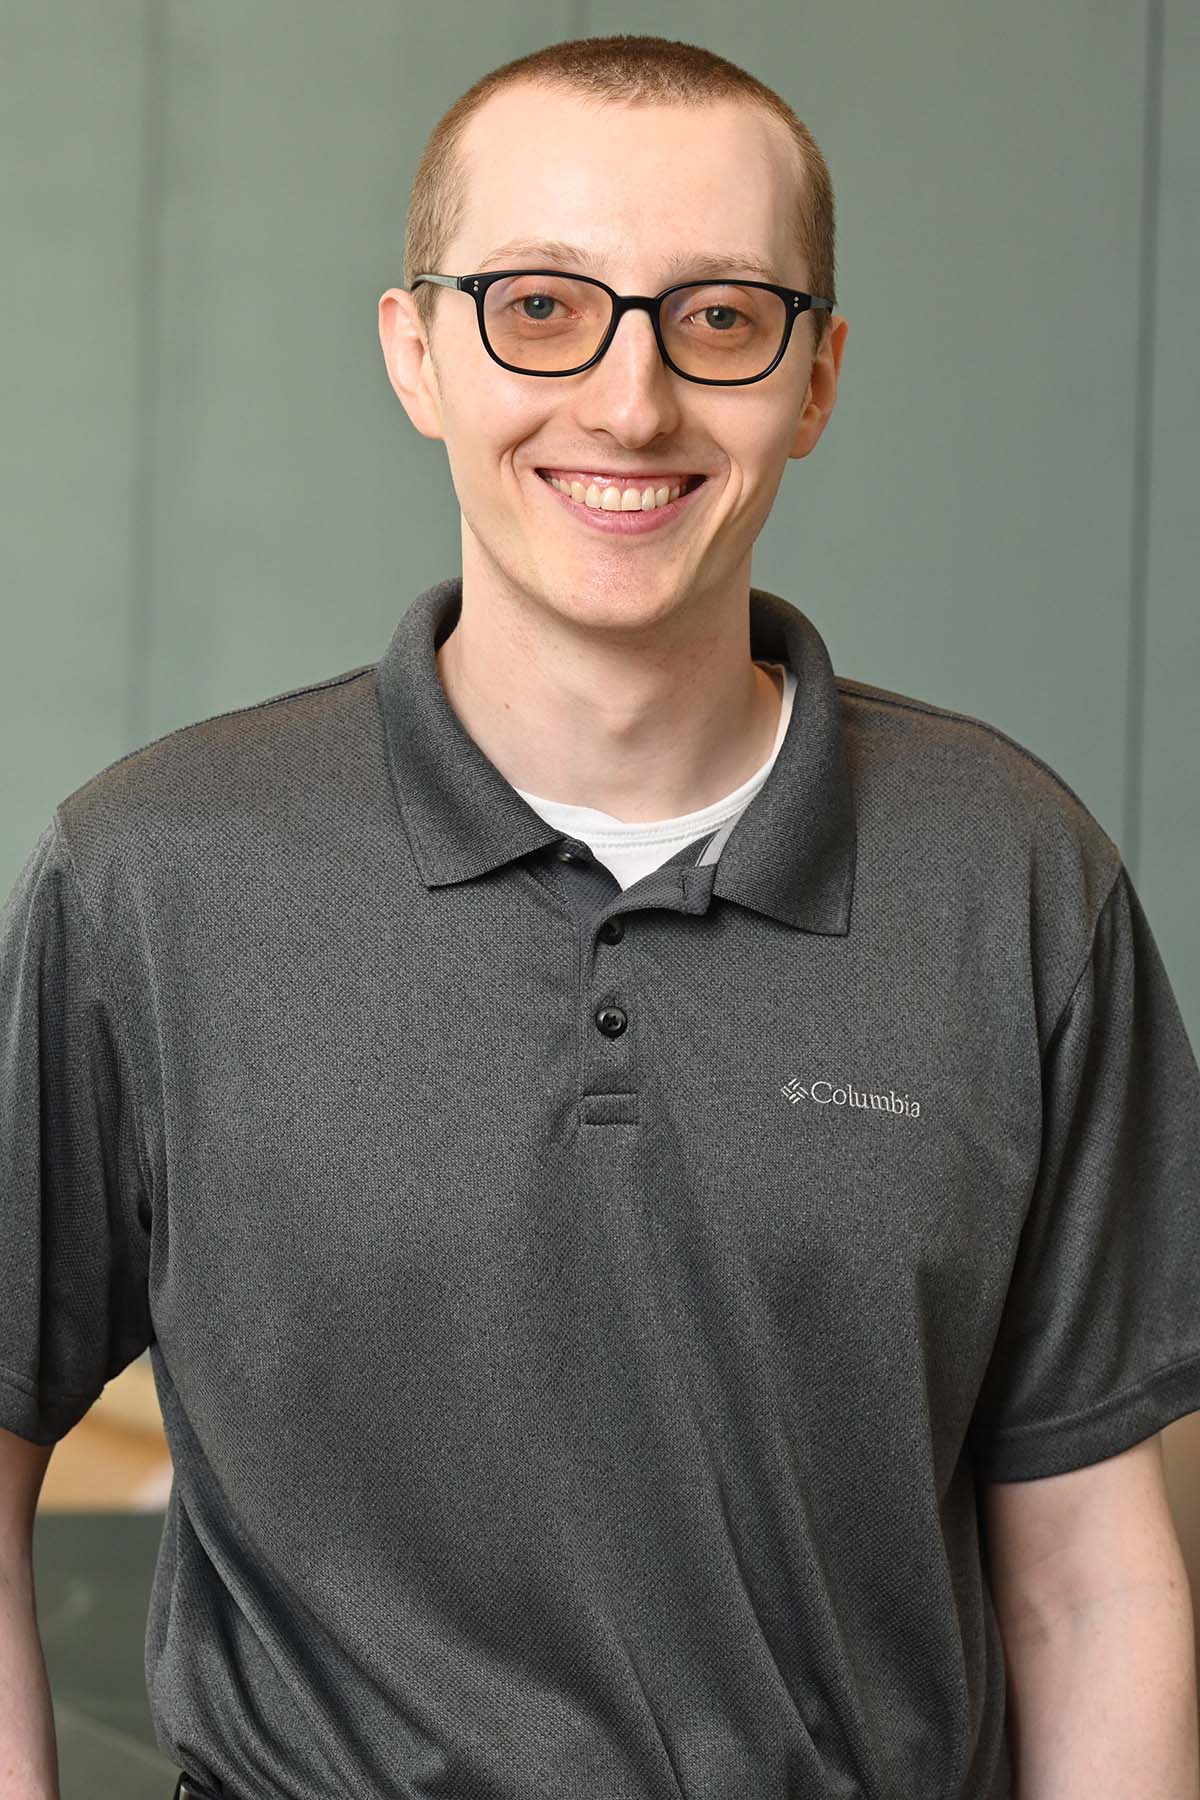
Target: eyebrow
(701,265)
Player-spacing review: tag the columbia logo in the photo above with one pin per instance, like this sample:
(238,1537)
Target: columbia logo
(825,1093)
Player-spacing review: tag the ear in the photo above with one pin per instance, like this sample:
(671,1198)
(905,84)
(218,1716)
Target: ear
(409,361)
(821,396)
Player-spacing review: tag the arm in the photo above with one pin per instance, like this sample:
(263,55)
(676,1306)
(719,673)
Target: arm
(28,1752)
(1103,1702)
(1092,1597)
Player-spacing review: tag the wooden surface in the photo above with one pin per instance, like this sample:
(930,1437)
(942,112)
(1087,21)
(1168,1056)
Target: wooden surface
(116,1459)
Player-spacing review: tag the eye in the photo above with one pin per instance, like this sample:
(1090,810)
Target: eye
(546,300)
(718,307)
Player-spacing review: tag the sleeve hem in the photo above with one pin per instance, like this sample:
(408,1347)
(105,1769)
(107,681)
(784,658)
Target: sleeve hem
(40,1418)
(1056,1446)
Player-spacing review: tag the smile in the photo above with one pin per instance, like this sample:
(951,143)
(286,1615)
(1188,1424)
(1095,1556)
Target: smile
(626,507)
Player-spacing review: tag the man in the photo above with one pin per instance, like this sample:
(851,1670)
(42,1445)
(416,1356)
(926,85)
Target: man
(619,1140)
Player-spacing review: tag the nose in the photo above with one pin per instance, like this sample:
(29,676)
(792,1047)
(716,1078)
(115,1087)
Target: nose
(631,393)
(635,341)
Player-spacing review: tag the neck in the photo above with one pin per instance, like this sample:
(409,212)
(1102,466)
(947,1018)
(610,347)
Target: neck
(635,730)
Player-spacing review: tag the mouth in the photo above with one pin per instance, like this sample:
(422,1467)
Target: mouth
(628,507)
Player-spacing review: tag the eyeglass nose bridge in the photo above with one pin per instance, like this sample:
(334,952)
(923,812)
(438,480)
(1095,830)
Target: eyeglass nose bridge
(627,303)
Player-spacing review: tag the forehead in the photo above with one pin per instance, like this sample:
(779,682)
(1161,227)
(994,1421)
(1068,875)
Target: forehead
(638,185)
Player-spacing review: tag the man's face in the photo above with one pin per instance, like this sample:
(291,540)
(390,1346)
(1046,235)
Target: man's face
(636,187)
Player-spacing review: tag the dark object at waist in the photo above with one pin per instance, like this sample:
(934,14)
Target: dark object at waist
(188,1788)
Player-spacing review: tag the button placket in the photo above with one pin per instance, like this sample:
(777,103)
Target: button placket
(596,887)
(590,888)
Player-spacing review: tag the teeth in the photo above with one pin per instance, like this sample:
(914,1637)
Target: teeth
(614,499)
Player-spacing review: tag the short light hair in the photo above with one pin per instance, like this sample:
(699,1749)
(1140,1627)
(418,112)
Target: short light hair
(633,70)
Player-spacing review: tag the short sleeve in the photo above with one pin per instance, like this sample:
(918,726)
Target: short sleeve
(1099,1340)
(74,1216)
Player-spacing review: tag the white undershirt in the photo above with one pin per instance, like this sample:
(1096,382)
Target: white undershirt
(632,850)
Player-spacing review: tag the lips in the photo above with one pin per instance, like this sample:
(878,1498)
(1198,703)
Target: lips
(624,516)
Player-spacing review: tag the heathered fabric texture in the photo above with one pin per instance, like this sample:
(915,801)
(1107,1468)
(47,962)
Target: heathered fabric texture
(561,1409)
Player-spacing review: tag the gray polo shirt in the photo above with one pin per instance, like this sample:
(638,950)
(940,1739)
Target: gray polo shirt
(581,1316)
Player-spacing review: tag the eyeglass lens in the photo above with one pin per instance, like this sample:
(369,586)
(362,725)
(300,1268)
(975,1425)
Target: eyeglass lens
(717,330)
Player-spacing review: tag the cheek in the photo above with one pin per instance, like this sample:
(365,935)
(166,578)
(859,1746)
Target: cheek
(496,427)
(765,455)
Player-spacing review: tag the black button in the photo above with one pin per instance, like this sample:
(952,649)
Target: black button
(571,852)
(611,1020)
(612,931)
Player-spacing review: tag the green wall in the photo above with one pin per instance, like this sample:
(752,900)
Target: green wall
(210,493)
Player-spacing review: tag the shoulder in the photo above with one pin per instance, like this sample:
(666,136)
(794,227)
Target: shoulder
(228,777)
(981,767)
(979,820)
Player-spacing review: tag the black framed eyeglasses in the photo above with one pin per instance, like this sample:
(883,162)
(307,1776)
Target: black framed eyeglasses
(745,328)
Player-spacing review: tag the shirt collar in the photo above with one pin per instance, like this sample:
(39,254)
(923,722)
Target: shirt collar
(791,855)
